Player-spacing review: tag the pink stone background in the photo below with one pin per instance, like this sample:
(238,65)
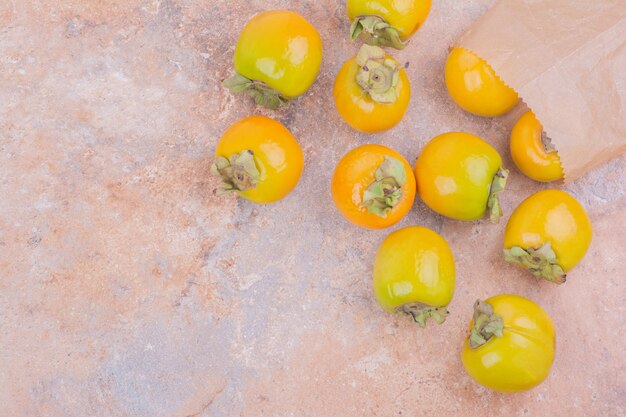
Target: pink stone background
(128,289)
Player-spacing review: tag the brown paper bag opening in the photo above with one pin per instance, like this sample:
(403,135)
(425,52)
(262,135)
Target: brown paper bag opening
(567,61)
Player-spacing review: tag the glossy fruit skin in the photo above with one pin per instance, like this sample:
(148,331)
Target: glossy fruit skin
(414,264)
(522,357)
(358,109)
(474,85)
(454,174)
(277,154)
(529,154)
(551,216)
(281,49)
(407,16)
(354,173)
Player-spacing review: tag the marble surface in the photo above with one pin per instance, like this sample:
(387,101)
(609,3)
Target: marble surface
(128,289)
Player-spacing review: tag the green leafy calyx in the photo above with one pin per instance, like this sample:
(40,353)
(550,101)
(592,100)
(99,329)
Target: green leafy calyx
(378,76)
(493,202)
(386,191)
(238,172)
(373,30)
(546,142)
(541,262)
(421,312)
(263,94)
(487,324)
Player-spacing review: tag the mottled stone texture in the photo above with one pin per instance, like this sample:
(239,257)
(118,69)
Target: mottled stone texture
(128,289)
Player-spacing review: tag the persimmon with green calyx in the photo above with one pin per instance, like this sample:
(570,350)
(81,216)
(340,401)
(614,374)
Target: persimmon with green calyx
(474,85)
(373,186)
(386,22)
(548,234)
(414,274)
(511,344)
(277,58)
(532,150)
(259,159)
(372,91)
(460,176)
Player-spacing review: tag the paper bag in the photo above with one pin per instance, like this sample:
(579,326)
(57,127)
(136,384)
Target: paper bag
(567,61)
